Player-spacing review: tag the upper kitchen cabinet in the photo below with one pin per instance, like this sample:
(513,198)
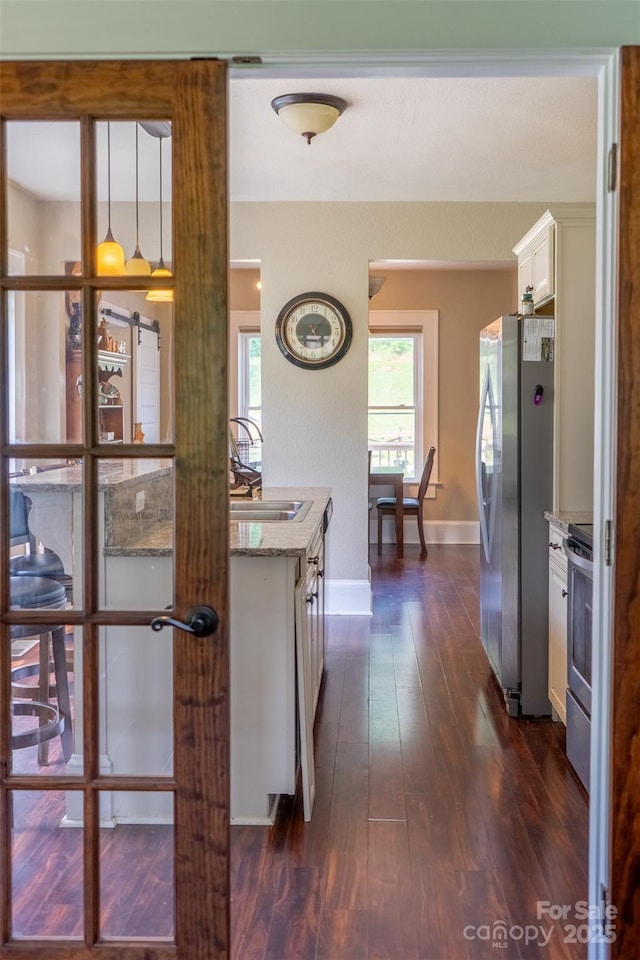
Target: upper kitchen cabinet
(535,260)
(557,258)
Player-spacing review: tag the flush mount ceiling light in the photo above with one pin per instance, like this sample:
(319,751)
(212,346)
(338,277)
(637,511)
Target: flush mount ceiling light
(309,113)
(375,285)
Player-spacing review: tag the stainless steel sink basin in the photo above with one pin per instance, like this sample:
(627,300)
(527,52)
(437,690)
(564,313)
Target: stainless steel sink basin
(268,511)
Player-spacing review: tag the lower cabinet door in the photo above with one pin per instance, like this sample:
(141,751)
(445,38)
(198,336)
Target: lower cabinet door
(305,685)
(558,640)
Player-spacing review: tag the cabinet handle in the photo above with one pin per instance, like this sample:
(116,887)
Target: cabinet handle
(321,573)
(555,546)
(565,593)
(309,598)
(315,560)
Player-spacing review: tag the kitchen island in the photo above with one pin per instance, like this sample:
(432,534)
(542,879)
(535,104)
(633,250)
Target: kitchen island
(275,629)
(276,586)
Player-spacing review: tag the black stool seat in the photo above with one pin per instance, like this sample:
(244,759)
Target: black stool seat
(37,565)
(33,593)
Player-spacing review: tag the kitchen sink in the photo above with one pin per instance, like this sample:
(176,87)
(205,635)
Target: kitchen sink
(268,511)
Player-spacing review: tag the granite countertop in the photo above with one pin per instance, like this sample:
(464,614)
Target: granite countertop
(563,518)
(287,538)
(110,473)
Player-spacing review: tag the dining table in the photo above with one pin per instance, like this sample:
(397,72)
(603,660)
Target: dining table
(391,476)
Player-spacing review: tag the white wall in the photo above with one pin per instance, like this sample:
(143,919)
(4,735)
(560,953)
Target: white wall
(315,422)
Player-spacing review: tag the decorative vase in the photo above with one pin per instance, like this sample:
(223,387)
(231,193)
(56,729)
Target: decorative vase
(138,435)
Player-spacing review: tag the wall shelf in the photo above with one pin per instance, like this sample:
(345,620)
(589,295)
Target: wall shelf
(111,362)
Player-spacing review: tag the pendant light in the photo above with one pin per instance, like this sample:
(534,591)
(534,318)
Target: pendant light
(109,255)
(160,296)
(137,266)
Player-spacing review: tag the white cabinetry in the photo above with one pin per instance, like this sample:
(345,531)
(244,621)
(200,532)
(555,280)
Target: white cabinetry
(310,659)
(315,603)
(557,257)
(535,261)
(557,624)
(277,660)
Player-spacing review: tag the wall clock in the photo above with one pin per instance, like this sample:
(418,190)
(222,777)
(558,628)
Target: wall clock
(313,330)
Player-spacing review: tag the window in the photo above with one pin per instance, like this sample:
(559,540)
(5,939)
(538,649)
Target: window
(395,408)
(250,376)
(403,391)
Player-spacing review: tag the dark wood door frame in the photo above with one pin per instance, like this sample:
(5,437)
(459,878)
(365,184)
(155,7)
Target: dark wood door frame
(625,765)
(192,95)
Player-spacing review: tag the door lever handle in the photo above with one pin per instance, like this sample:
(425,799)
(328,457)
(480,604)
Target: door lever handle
(201,621)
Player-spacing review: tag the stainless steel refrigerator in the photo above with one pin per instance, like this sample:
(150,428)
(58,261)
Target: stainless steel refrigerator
(514,478)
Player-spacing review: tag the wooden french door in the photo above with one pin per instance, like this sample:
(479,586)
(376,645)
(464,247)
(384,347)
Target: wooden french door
(625,773)
(114,755)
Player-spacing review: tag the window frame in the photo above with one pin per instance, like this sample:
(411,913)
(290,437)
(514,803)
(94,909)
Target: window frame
(416,407)
(245,335)
(425,324)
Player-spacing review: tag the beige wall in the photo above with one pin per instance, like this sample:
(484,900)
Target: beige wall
(315,421)
(243,292)
(466,301)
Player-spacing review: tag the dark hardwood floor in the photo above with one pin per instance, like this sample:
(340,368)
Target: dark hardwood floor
(437,816)
(439,824)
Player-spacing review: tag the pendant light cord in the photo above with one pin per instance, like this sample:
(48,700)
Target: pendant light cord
(109,175)
(137,192)
(161,257)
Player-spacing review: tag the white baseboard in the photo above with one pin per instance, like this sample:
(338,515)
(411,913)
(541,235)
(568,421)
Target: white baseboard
(437,531)
(450,531)
(350,598)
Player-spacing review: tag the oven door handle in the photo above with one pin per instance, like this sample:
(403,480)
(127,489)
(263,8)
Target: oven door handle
(581,563)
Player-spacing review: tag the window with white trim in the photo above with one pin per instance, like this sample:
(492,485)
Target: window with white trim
(250,376)
(403,391)
(395,407)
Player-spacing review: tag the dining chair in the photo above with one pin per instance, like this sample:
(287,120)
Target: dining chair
(411,506)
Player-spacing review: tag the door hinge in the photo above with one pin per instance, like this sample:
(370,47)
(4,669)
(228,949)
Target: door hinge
(612,173)
(609,542)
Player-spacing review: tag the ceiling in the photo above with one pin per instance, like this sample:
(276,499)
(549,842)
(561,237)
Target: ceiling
(400,139)
(408,139)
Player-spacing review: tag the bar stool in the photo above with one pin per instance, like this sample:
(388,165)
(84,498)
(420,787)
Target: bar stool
(38,593)
(32,564)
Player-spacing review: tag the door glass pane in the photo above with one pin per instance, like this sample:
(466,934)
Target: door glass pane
(45,530)
(45,661)
(134,234)
(136,867)
(136,700)
(43,194)
(46,867)
(135,369)
(136,558)
(45,385)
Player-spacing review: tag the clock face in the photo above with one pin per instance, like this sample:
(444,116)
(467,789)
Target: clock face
(313,330)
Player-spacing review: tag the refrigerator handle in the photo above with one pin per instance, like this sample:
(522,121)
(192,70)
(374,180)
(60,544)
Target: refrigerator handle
(482,504)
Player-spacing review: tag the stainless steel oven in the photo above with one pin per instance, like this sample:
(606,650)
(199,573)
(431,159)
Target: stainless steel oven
(579,550)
